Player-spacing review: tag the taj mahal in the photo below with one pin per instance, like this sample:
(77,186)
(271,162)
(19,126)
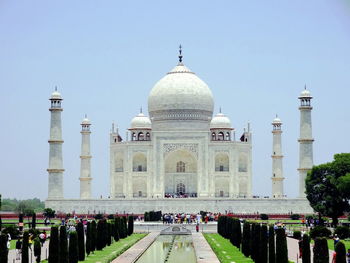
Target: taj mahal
(180,158)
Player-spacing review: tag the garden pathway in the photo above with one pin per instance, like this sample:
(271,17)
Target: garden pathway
(293,251)
(44,254)
(204,253)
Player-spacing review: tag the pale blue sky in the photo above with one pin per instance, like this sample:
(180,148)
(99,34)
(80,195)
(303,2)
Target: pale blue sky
(105,56)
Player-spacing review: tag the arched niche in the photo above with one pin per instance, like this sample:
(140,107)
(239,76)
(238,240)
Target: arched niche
(242,163)
(222,162)
(139,162)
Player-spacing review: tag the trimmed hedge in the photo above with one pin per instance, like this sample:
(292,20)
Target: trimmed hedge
(341,252)
(246,239)
(343,232)
(272,253)
(320,231)
(81,241)
(281,246)
(3,248)
(306,256)
(321,254)
(297,235)
(54,246)
(63,245)
(73,247)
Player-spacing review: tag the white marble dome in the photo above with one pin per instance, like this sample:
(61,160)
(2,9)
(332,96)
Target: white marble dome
(220,121)
(86,121)
(141,121)
(276,121)
(180,95)
(56,95)
(305,94)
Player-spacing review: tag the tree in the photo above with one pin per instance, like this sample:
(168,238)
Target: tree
(116,228)
(100,235)
(131,225)
(306,256)
(109,233)
(88,238)
(341,252)
(20,222)
(324,185)
(48,212)
(0,223)
(54,246)
(281,246)
(63,245)
(3,248)
(37,249)
(255,241)
(73,247)
(263,244)
(25,256)
(246,239)
(81,241)
(272,254)
(34,220)
(93,236)
(321,254)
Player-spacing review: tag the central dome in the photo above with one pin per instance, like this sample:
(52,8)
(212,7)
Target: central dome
(180,95)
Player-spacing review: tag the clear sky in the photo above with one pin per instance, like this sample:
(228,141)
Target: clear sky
(105,56)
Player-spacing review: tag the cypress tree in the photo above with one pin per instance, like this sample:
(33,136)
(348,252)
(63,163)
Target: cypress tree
(341,252)
(256,242)
(93,236)
(99,235)
(25,255)
(81,241)
(105,233)
(272,255)
(54,246)
(246,239)
(109,233)
(231,230)
(281,246)
(73,247)
(88,238)
(306,255)
(263,245)
(37,249)
(219,225)
(63,245)
(321,254)
(0,223)
(239,234)
(131,225)
(3,248)
(34,220)
(125,226)
(116,229)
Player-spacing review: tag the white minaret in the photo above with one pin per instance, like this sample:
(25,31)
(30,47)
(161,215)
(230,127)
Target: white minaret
(85,157)
(55,156)
(277,159)
(305,140)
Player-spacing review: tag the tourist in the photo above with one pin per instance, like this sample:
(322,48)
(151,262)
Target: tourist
(334,257)
(197,227)
(18,249)
(30,241)
(335,239)
(348,255)
(42,237)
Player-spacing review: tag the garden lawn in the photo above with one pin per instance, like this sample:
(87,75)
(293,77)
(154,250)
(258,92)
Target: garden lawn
(224,250)
(331,243)
(114,250)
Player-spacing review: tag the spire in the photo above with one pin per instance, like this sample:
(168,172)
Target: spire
(305,87)
(85,116)
(220,109)
(55,88)
(141,109)
(180,54)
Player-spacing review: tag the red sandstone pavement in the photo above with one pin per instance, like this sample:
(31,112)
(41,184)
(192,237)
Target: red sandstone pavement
(293,251)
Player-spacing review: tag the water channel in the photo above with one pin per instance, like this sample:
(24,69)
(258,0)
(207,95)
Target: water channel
(170,249)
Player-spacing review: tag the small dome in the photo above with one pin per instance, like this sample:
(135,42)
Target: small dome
(220,121)
(141,122)
(86,121)
(276,121)
(56,95)
(305,94)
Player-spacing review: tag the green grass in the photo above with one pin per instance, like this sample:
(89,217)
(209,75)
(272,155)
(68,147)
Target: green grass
(110,253)
(225,251)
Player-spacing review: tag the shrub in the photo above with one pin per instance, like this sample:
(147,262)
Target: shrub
(98,216)
(297,235)
(153,216)
(54,246)
(341,252)
(321,254)
(306,255)
(319,231)
(12,230)
(88,238)
(73,247)
(295,216)
(3,248)
(109,233)
(264,216)
(130,225)
(81,241)
(37,249)
(272,254)
(63,245)
(255,252)
(246,239)
(342,232)
(110,216)
(93,236)
(25,255)
(116,229)
(263,244)
(281,246)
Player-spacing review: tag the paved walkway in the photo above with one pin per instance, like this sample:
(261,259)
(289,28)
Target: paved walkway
(293,251)
(204,253)
(136,250)
(44,254)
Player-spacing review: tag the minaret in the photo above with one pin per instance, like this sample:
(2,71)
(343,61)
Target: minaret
(85,157)
(305,140)
(277,159)
(55,156)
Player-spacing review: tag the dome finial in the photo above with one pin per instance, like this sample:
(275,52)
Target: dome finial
(180,54)
(305,87)
(220,109)
(55,88)
(85,116)
(141,109)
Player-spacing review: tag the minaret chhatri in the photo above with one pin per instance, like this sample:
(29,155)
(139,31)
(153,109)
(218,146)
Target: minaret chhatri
(55,169)
(305,140)
(85,157)
(277,159)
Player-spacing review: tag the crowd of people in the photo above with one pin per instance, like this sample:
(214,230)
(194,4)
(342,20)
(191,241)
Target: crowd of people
(180,195)
(182,218)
